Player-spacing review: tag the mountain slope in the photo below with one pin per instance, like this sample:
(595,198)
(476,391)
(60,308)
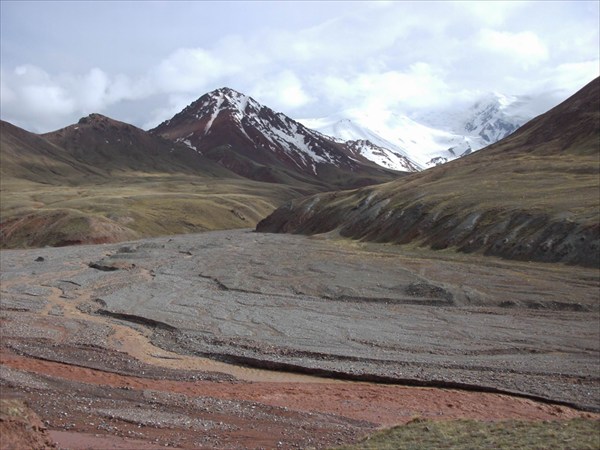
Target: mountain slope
(256,142)
(533,195)
(28,156)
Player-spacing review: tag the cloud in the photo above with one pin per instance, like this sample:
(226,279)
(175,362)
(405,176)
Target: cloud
(564,80)
(92,90)
(417,87)
(283,90)
(397,55)
(190,69)
(173,104)
(30,94)
(491,13)
(524,47)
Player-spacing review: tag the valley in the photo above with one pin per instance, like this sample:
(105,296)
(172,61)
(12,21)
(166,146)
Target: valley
(132,206)
(233,279)
(102,180)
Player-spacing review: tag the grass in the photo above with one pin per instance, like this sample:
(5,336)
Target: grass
(573,434)
(131,207)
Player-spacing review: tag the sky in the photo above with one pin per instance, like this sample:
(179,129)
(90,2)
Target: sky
(142,62)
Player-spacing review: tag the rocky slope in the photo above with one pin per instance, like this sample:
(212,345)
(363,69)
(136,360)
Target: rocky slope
(533,195)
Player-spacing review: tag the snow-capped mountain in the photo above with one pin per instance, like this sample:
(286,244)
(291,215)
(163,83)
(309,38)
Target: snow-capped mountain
(490,120)
(430,138)
(257,142)
(364,141)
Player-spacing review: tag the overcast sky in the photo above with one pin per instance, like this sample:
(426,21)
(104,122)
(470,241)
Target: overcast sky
(142,62)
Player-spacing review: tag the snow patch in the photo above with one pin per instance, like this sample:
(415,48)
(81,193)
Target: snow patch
(214,114)
(189,144)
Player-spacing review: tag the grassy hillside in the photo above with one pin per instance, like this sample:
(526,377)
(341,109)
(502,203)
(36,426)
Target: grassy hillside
(73,187)
(533,195)
(35,215)
(26,156)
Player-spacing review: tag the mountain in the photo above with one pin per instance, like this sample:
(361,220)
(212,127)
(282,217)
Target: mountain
(428,138)
(493,118)
(115,146)
(256,142)
(533,196)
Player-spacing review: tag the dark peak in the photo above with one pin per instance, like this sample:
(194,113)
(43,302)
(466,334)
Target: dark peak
(98,121)
(93,121)
(94,118)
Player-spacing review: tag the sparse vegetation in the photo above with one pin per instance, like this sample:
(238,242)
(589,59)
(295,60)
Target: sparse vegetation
(573,434)
(105,181)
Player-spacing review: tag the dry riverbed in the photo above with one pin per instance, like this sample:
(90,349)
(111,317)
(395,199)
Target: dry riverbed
(238,339)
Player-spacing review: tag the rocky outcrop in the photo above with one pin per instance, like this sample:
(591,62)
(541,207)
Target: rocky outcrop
(21,428)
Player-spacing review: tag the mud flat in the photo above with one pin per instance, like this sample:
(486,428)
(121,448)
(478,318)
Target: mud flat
(169,340)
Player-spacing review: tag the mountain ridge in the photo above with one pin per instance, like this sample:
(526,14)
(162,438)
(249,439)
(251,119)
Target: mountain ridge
(117,146)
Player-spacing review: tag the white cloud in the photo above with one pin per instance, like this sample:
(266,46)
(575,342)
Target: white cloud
(524,47)
(419,86)
(190,69)
(491,13)
(282,91)
(32,95)
(564,80)
(92,90)
(7,95)
(175,103)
